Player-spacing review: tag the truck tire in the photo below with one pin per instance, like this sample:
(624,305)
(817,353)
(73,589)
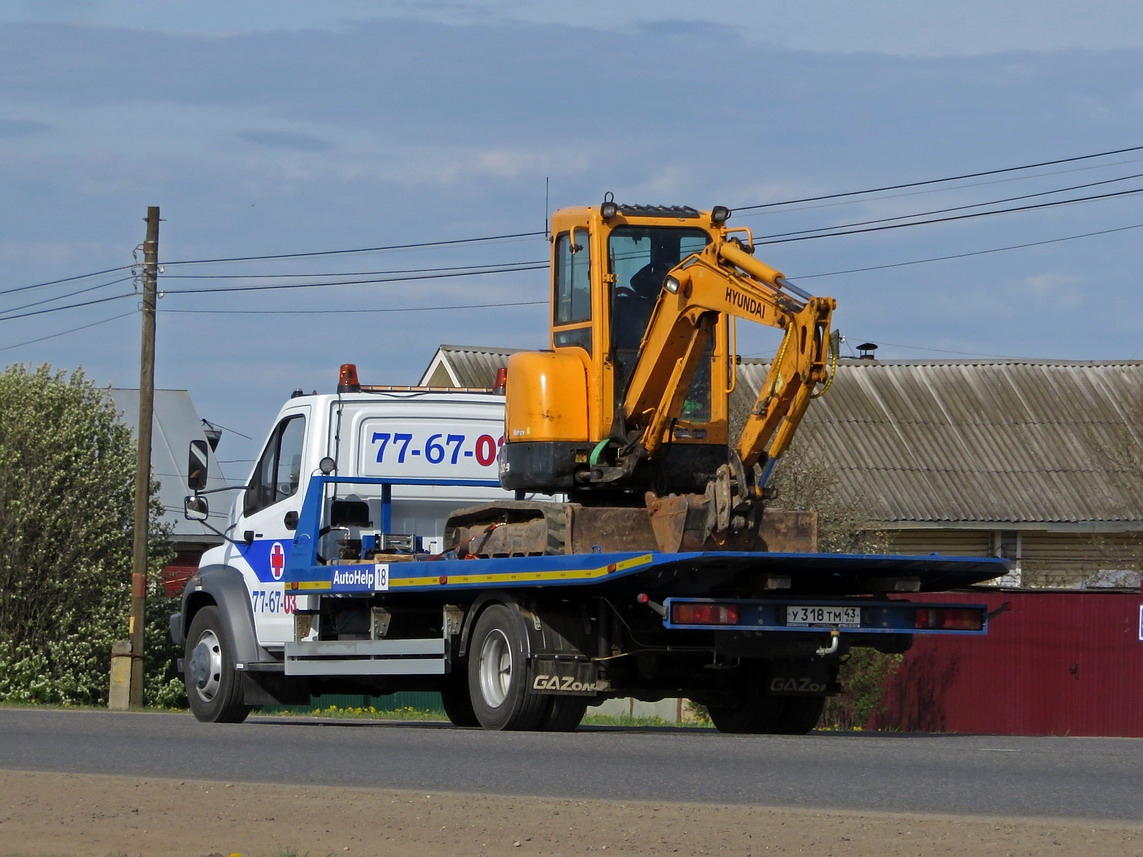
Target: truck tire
(565,714)
(749,709)
(755,714)
(456,701)
(213,687)
(498,673)
(800,715)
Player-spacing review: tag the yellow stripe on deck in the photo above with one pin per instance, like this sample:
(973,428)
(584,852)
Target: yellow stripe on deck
(522,577)
(494,577)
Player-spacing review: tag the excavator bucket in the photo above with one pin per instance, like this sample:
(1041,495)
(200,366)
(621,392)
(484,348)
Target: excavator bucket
(686,523)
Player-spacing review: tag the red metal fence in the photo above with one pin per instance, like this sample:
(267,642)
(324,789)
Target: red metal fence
(1058,663)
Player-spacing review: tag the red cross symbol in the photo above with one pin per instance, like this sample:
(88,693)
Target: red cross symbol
(277,560)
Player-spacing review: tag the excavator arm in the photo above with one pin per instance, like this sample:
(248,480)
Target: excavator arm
(726,278)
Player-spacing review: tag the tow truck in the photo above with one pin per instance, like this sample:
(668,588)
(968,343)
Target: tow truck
(589,532)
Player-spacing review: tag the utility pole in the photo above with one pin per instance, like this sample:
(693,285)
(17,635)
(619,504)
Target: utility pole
(143,458)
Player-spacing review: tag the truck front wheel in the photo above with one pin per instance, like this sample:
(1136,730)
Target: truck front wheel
(498,674)
(213,689)
(456,701)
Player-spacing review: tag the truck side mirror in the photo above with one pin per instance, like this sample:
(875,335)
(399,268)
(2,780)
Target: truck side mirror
(195,508)
(197,465)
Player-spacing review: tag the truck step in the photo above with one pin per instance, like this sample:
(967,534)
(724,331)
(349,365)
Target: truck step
(366,657)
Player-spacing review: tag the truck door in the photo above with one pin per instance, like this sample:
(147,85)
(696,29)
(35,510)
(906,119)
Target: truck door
(266,522)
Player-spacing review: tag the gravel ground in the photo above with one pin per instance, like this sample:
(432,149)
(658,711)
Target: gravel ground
(74,815)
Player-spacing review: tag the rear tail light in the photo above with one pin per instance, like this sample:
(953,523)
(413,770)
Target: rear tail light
(690,613)
(949,618)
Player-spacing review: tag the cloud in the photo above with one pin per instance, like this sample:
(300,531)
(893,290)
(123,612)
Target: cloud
(13,129)
(286,140)
(397,132)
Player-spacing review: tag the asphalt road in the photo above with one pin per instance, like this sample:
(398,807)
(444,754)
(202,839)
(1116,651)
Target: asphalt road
(1099,778)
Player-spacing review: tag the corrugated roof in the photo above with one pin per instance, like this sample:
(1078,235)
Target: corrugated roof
(468,366)
(983,442)
(962,442)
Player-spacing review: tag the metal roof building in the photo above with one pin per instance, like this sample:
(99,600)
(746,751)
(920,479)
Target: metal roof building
(966,444)
(465,366)
(175,424)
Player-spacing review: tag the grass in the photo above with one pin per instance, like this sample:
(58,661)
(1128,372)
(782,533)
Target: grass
(426,714)
(406,713)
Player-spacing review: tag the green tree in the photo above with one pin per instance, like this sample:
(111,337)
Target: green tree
(802,481)
(67,466)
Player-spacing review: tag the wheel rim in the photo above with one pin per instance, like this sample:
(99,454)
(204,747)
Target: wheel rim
(206,665)
(495,668)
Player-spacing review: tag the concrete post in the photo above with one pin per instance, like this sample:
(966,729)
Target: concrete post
(119,699)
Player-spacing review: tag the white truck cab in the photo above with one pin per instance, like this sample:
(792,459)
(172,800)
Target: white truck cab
(425,452)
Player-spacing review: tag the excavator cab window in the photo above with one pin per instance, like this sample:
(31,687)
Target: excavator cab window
(639,258)
(571,322)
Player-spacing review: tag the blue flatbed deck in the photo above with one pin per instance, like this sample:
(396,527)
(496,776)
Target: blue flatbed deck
(808,573)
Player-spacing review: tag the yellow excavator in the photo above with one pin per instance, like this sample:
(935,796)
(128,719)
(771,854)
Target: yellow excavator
(627,413)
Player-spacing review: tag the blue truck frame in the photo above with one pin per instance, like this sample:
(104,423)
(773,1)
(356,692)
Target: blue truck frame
(815,576)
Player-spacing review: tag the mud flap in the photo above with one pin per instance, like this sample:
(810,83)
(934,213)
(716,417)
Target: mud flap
(801,678)
(562,676)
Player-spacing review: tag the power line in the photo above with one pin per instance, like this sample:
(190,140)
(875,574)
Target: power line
(411,246)
(460,241)
(468,268)
(68,295)
(66,332)
(966,255)
(961,353)
(65,280)
(953,218)
(938,181)
(931,191)
(282,286)
(437,273)
(69,306)
(958,207)
(353,311)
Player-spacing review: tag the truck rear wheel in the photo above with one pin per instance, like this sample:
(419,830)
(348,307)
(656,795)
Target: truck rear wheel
(565,714)
(762,714)
(497,673)
(213,689)
(800,714)
(755,714)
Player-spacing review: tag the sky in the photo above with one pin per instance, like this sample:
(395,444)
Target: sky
(296,131)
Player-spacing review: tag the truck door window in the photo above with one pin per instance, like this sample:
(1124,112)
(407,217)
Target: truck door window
(278,473)
(572,322)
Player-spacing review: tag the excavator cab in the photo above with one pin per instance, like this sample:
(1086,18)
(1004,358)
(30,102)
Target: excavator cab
(639,259)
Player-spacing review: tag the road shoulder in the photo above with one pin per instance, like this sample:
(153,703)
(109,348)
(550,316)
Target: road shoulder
(79,815)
